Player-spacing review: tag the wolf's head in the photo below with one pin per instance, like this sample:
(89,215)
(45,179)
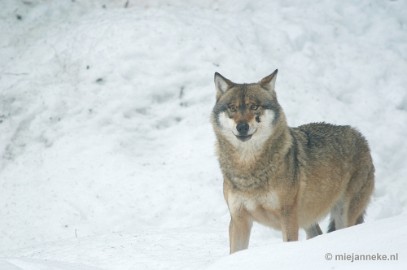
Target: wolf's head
(245,113)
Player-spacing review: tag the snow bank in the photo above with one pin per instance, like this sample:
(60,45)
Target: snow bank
(18,264)
(378,245)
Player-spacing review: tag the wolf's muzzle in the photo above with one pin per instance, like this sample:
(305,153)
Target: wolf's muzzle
(243,129)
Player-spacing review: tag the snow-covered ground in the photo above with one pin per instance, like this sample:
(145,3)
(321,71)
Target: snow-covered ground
(106,150)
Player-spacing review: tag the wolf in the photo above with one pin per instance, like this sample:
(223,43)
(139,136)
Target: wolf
(283,177)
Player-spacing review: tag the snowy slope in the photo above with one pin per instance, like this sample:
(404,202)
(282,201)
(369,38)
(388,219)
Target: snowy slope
(18,264)
(106,151)
(355,248)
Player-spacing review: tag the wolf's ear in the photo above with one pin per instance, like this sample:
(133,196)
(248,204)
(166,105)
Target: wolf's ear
(222,84)
(269,82)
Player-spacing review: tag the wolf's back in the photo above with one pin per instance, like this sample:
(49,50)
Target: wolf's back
(321,140)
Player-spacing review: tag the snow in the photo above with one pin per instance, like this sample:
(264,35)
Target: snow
(329,250)
(106,150)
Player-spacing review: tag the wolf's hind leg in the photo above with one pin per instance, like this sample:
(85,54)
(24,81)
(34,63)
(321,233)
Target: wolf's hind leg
(339,216)
(331,226)
(360,199)
(350,211)
(313,230)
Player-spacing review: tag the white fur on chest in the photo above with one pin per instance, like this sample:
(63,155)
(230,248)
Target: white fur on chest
(238,200)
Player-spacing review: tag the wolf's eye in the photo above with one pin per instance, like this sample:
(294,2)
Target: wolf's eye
(254,107)
(232,108)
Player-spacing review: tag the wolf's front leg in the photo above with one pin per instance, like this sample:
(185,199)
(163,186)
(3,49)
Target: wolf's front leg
(289,223)
(239,232)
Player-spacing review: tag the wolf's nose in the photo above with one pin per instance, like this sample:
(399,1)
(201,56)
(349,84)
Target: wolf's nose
(243,128)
